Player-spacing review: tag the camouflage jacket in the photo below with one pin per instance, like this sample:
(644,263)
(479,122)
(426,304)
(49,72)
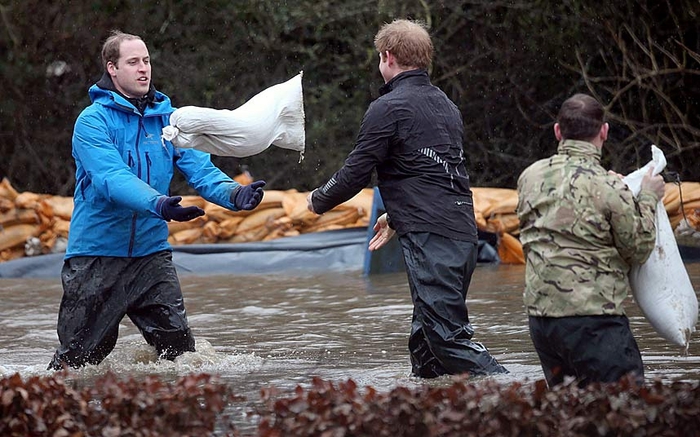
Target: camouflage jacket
(581,228)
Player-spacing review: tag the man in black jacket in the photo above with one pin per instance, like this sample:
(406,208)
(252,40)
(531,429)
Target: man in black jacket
(412,135)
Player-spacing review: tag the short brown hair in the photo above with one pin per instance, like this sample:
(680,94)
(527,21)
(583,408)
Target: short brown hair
(580,118)
(408,41)
(110,49)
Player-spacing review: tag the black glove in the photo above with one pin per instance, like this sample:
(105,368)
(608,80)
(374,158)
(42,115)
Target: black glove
(248,196)
(170,209)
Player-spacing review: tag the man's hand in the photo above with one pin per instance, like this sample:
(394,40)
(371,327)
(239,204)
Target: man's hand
(170,209)
(655,184)
(383,233)
(614,173)
(247,197)
(309,202)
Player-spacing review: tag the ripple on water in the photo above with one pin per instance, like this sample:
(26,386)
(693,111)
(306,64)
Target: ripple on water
(134,358)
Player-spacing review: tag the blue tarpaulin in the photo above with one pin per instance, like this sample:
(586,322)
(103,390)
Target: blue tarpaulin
(342,249)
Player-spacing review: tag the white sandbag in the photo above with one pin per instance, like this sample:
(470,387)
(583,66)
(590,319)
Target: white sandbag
(275,116)
(661,286)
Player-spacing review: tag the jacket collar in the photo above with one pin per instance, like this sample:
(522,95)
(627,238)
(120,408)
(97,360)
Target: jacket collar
(579,148)
(140,103)
(417,77)
(154,102)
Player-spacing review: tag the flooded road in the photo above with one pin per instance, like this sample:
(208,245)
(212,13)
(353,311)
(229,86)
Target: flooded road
(257,331)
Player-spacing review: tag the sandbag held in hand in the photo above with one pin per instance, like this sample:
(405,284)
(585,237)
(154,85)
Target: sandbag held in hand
(274,116)
(247,197)
(170,209)
(661,286)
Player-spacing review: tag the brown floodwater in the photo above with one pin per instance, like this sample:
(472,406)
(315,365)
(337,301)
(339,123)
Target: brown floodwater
(280,330)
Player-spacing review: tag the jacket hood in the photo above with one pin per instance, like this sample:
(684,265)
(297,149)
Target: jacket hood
(106,93)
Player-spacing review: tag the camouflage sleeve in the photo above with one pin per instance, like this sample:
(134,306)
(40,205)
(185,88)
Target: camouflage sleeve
(632,221)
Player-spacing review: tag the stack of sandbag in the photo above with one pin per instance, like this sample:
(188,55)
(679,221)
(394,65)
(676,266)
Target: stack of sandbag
(689,193)
(280,214)
(285,213)
(32,223)
(682,203)
(494,209)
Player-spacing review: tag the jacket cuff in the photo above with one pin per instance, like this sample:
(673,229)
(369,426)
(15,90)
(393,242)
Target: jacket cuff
(389,223)
(648,197)
(159,207)
(317,202)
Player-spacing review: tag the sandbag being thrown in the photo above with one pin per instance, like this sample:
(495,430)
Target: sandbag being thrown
(661,286)
(274,116)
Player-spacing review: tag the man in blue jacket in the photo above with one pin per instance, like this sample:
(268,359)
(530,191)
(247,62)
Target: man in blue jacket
(413,136)
(118,261)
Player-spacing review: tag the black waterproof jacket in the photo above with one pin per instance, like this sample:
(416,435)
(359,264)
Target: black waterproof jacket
(412,134)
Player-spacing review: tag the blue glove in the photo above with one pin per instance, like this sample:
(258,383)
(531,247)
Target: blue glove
(248,196)
(170,209)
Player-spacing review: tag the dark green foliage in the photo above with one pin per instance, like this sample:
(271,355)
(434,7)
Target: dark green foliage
(508,65)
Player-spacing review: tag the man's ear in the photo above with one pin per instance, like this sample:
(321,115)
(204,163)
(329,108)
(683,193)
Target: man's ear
(557,131)
(111,68)
(604,131)
(390,59)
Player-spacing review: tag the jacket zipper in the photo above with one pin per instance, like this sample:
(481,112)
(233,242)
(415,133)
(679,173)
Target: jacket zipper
(134,216)
(148,169)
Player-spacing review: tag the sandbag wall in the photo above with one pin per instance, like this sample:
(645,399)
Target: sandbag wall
(33,224)
(682,203)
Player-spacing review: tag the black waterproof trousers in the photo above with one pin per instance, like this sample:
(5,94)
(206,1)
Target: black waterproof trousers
(439,272)
(99,291)
(589,348)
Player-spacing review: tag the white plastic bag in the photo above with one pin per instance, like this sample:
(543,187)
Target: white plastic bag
(661,286)
(275,116)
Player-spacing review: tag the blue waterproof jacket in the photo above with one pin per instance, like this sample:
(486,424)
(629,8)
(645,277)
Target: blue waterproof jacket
(122,168)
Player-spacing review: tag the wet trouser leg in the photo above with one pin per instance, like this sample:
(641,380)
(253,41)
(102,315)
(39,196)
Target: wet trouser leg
(158,311)
(588,348)
(439,272)
(99,291)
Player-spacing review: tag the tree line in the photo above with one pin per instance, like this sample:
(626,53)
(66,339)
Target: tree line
(508,65)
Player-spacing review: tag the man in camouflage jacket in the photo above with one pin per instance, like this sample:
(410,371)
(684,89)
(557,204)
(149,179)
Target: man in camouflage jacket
(581,229)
